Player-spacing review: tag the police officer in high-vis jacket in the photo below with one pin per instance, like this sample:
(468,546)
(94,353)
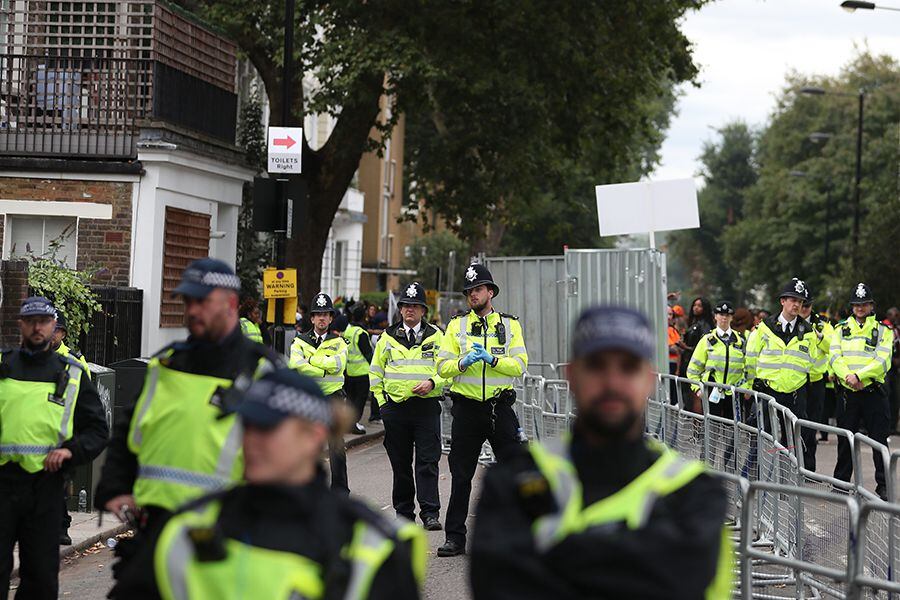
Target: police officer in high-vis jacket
(359,356)
(815,389)
(180,439)
(781,352)
(283,535)
(482,352)
(404,380)
(322,355)
(861,350)
(719,357)
(51,419)
(603,513)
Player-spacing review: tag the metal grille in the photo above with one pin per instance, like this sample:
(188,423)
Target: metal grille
(115,331)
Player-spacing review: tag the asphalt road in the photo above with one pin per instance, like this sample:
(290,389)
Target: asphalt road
(89,577)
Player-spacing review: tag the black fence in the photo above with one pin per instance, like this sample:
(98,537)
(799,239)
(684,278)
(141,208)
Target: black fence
(115,330)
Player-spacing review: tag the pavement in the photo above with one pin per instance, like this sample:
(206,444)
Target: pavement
(87,529)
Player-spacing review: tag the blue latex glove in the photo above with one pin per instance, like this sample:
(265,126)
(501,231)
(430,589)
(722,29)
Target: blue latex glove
(483,354)
(469,359)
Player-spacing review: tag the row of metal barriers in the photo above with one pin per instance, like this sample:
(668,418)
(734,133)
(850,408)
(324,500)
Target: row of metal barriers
(797,533)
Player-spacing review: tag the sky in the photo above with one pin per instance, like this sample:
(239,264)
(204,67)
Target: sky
(744,49)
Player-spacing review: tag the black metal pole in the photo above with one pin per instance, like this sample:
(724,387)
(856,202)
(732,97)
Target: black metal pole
(856,191)
(827,226)
(287,76)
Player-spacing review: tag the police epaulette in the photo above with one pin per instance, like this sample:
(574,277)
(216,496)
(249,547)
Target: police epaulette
(509,316)
(76,353)
(168,350)
(70,361)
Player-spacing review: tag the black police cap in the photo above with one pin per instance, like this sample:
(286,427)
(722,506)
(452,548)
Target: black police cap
(478,274)
(414,293)
(862,294)
(795,288)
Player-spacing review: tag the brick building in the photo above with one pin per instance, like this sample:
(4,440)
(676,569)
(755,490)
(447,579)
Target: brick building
(108,148)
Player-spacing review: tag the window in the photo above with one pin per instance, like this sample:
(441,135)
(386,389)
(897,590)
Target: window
(339,267)
(186,238)
(41,236)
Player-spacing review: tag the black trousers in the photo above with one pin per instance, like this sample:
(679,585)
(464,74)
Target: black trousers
(337,455)
(815,408)
(357,391)
(30,515)
(794,401)
(869,407)
(474,422)
(414,425)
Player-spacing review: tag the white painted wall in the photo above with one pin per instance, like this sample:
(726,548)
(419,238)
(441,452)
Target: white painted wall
(190,182)
(347,228)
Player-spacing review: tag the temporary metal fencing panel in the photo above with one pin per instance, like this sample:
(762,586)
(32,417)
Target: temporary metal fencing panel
(634,278)
(533,289)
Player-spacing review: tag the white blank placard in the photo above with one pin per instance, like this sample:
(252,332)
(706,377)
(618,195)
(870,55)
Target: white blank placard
(644,206)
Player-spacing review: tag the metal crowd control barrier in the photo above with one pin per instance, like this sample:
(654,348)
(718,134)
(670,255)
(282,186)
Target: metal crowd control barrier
(802,534)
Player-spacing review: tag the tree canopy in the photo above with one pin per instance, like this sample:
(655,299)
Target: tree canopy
(507,101)
(785,218)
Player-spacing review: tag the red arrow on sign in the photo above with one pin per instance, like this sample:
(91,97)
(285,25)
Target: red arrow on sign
(287,142)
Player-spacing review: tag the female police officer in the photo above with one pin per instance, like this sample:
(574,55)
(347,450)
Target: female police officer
(284,534)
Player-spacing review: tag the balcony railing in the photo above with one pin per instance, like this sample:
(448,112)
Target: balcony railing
(77,107)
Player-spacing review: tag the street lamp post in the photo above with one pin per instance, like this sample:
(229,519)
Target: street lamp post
(853,6)
(825,260)
(861,98)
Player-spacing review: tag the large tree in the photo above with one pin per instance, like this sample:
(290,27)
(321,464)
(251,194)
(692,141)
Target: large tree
(729,170)
(500,95)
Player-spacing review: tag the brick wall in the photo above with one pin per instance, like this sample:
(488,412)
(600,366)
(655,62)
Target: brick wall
(14,277)
(101,242)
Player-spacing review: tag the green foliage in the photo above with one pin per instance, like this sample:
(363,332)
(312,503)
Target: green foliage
(376,298)
(780,229)
(253,249)
(429,256)
(729,168)
(68,289)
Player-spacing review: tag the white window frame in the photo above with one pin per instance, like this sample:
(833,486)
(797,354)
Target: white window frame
(7,238)
(50,208)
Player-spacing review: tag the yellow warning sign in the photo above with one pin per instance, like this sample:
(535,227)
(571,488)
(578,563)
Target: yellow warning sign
(280,283)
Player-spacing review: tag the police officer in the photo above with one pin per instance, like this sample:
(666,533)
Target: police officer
(321,354)
(719,357)
(359,355)
(861,349)
(815,389)
(482,351)
(181,439)
(405,382)
(51,419)
(58,344)
(780,354)
(283,534)
(251,317)
(605,514)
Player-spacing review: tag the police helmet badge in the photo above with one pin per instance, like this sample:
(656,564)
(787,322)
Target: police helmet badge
(321,301)
(861,290)
(471,274)
(411,291)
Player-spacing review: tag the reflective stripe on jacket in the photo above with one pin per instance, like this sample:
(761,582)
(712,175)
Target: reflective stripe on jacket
(396,369)
(35,420)
(357,365)
(783,367)
(632,505)
(823,349)
(325,364)
(482,381)
(184,445)
(864,350)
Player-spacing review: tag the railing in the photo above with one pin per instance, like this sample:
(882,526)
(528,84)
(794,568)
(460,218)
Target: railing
(72,106)
(799,533)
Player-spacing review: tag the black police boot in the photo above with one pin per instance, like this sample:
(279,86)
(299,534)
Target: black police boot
(431,524)
(451,548)
(65,539)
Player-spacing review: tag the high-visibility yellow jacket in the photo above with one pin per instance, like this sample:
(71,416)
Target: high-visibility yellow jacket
(501,335)
(251,330)
(714,360)
(37,416)
(66,351)
(396,368)
(185,444)
(357,364)
(631,506)
(782,367)
(823,346)
(864,350)
(325,364)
